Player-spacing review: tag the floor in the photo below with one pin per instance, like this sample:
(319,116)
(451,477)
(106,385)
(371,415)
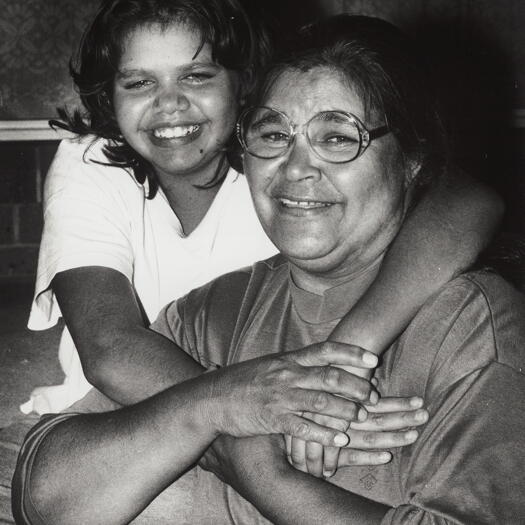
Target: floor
(27,359)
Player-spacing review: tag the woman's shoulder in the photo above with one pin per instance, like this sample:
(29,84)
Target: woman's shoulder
(486,292)
(216,310)
(477,315)
(475,322)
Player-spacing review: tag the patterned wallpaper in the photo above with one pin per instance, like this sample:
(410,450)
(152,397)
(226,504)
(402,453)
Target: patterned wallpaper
(37,38)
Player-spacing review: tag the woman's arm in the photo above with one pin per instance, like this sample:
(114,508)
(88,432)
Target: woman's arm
(123,459)
(120,356)
(258,471)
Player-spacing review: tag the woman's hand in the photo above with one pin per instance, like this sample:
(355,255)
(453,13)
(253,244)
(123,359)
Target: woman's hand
(388,425)
(268,395)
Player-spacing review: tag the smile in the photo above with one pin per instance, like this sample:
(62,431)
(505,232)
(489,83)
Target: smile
(175,132)
(304,205)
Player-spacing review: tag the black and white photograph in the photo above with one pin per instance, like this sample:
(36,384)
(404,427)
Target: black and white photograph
(262,262)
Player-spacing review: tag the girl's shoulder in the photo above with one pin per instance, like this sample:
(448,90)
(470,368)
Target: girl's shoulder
(78,149)
(80,164)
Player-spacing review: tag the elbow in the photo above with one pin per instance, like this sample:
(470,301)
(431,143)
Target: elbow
(99,359)
(482,214)
(494,207)
(474,210)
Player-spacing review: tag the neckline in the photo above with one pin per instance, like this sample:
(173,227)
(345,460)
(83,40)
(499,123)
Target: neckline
(333,304)
(211,219)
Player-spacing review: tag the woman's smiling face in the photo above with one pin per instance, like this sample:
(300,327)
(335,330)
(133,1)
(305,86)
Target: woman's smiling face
(337,219)
(174,106)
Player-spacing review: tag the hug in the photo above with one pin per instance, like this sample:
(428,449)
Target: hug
(249,399)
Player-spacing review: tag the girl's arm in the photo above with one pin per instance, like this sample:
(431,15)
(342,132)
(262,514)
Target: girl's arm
(120,356)
(441,237)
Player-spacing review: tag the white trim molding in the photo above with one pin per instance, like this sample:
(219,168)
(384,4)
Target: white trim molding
(13,130)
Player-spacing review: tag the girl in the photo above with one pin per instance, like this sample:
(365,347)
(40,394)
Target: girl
(145,204)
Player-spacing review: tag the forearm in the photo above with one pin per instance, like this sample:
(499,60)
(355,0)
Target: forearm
(441,236)
(122,459)
(286,496)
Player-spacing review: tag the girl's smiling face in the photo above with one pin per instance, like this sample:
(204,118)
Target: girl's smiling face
(174,105)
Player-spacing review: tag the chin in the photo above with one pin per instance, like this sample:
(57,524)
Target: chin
(305,252)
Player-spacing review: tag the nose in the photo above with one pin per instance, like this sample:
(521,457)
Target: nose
(299,162)
(170,99)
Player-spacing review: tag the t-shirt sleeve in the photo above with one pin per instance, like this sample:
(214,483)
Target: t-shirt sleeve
(23,508)
(86,223)
(176,324)
(468,464)
(204,321)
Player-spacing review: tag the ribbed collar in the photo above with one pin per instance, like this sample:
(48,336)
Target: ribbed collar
(334,303)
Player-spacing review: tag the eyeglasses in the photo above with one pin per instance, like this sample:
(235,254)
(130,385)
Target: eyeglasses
(334,136)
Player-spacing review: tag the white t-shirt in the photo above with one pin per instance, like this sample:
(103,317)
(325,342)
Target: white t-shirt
(99,216)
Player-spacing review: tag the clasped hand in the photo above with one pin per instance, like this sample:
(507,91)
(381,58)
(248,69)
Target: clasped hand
(271,394)
(318,406)
(389,424)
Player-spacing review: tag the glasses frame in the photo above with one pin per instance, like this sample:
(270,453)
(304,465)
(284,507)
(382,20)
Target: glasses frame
(366,136)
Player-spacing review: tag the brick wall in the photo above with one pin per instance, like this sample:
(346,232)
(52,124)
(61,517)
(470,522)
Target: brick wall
(22,170)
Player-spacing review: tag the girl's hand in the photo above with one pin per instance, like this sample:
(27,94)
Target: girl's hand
(388,425)
(269,395)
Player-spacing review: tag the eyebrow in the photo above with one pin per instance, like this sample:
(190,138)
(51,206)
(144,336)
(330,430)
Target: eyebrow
(333,115)
(268,118)
(124,73)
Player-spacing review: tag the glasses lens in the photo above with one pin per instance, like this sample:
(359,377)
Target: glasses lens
(265,132)
(334,136)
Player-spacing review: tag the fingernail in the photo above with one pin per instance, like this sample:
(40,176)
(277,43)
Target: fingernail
(341,440)
(328,473)
(374,397)
(411,435)
(369,359)
(416,402)
(362,414)
(421,416)
(385,457)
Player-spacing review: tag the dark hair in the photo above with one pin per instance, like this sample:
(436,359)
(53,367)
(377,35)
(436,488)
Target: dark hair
(237,44)
(382,65)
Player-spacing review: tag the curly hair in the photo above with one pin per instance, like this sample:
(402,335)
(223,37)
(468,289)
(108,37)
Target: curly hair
(237,44)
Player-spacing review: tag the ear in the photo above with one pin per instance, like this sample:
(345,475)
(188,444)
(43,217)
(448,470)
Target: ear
(412,171)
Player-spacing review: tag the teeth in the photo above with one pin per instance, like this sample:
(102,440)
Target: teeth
(175,131)
(303,204)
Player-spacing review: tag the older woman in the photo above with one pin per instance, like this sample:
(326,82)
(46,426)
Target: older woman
(335,146)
